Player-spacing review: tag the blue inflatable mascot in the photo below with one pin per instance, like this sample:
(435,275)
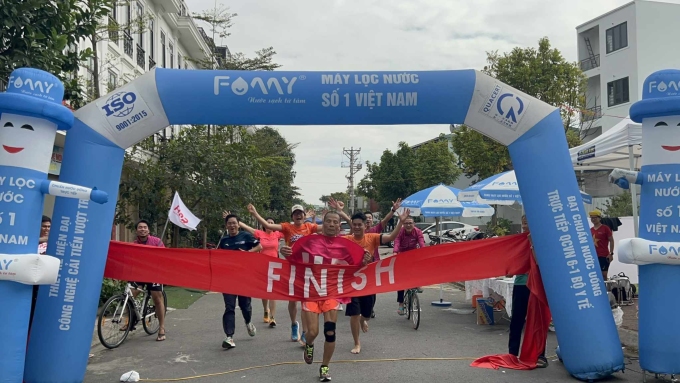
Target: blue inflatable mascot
(30,114)
(657,251)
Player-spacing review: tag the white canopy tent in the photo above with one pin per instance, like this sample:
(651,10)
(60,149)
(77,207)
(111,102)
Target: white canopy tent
(619,147)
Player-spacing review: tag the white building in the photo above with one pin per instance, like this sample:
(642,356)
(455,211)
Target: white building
(162,34)
(618,50)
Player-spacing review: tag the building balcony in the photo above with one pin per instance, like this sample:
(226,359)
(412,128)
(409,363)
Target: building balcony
(192,39)
(592,114)
(141,57)
(128,47)
(152,63)
(113,30)
(170,6)
(590,63)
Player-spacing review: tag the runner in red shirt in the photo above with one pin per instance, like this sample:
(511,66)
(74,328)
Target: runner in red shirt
(291,233)
(312,310)
(604,241)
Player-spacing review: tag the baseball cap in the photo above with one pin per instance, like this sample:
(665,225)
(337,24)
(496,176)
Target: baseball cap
(595,213)
(297,207)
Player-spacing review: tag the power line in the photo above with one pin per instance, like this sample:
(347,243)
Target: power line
(354,167)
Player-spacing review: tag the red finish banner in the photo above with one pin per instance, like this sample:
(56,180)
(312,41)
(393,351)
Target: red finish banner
(260,276)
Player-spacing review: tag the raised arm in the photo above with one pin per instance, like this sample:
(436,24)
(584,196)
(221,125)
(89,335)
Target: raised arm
(393,235)
(262,221)
(338,206)
(388,216)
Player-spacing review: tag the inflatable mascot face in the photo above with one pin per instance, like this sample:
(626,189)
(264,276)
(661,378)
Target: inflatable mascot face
(26,141)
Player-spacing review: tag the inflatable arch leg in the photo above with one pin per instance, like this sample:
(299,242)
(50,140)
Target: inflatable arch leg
(533,131)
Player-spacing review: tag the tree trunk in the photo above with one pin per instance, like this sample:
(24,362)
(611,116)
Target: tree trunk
(175,237)
(205,236)
(95,66)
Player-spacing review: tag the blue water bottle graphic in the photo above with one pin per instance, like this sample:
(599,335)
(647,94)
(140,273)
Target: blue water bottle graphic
(31,111)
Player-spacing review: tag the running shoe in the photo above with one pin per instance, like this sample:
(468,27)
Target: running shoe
(228,342)
(272,323)
(401,310)
(309,354)
(251,329)
(324,374)
(295,331)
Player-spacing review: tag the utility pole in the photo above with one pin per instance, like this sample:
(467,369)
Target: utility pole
(354,167)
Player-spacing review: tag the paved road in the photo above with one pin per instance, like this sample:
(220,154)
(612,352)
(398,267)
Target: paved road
(194,336)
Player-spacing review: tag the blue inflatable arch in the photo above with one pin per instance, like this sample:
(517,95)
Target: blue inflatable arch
(532,130)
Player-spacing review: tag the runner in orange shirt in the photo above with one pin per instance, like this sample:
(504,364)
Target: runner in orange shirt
(360,309)
(291,233)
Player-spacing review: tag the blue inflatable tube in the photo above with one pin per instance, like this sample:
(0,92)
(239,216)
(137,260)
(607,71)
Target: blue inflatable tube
(532,130)
(567,259)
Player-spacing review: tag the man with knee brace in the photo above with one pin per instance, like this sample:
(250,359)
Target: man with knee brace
(311,310)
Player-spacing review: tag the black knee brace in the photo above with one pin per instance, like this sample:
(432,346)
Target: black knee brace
(329,327)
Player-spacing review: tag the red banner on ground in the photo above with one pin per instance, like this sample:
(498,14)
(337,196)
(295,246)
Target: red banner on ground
(261,276)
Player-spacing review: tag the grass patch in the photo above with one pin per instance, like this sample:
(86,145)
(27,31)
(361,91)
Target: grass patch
(181,298)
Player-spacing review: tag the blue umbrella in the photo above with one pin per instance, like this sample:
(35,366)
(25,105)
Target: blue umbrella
(442,201)
(500,189)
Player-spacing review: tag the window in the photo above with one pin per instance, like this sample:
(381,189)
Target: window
(152,44)
(163,49)
(617,37)
(114,11)
(617,92)
(172,56)
(113,80)
(138,24)
(179,60)
(128,21)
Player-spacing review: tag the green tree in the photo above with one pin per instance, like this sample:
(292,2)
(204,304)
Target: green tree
(395,176)
(45,34)
(436,164)
(540,72)
(620,205)
(211,172)
(220,20)
(277,161)
(338,196)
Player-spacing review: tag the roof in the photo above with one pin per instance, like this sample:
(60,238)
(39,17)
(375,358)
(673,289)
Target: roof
(605,14)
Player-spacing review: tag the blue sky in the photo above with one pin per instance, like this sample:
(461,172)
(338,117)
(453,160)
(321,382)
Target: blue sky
(390,35)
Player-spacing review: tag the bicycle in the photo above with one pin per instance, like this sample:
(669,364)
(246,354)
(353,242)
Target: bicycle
(412,305)
(120,310)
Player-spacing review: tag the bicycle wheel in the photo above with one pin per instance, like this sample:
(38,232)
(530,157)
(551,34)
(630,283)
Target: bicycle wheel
(150,323)
(114,321)
(407,304)
(415,308)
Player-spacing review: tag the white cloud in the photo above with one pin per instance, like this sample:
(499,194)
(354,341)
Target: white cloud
(339,35)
